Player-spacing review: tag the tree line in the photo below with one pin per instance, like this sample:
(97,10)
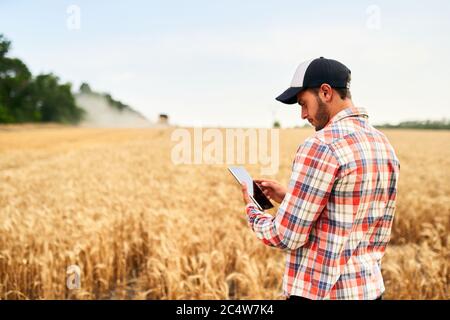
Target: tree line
(43,98)
(443,124)
(28,98)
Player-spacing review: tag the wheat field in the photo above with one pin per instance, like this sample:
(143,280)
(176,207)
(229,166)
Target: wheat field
(139,227)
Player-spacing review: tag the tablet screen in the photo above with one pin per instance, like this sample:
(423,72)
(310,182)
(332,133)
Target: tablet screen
(242,176)
(254,191)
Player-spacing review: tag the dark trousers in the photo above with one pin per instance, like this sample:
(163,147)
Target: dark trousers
(298,298)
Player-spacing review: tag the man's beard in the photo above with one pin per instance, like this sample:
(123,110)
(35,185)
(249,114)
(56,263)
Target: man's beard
(323,115)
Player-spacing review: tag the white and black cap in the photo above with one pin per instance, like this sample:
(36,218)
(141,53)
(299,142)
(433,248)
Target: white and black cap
(312,74)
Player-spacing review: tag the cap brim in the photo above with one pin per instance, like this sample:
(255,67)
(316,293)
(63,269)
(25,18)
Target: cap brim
(290,95)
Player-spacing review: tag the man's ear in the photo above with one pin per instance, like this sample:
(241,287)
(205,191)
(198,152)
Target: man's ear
(327,92)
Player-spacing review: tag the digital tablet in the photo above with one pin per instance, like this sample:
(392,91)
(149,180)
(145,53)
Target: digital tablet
(254,191)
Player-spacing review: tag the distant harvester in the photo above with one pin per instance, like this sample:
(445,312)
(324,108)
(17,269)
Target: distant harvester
(163,119)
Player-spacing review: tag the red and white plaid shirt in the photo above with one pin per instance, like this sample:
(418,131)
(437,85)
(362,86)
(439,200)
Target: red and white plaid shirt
(335,220)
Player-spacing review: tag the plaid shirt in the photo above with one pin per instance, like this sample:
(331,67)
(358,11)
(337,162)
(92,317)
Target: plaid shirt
(335,220)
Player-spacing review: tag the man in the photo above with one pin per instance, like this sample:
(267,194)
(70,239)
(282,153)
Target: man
(335,216)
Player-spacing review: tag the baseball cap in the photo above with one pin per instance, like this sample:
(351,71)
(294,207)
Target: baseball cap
(312,74)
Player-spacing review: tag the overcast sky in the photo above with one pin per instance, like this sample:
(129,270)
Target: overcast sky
(222,63)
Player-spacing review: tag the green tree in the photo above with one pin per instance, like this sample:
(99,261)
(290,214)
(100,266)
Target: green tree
(85,88)
(55,101)
(4,46)
(16,104)
(27,99)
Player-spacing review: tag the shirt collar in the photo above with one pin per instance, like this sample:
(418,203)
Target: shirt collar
(350,112)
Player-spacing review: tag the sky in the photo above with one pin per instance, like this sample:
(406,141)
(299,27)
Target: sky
(222,63)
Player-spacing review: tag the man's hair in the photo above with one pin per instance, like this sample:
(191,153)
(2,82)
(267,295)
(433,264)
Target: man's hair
(342,92)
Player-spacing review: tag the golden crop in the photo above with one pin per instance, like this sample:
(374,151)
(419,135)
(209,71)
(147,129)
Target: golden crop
(139,227)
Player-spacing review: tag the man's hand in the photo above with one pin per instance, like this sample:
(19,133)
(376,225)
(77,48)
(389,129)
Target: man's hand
(245,196)
(272,189)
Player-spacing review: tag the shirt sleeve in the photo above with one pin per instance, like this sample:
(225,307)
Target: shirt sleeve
(314,172)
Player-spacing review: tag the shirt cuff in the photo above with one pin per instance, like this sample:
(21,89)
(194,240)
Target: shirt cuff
(252,210)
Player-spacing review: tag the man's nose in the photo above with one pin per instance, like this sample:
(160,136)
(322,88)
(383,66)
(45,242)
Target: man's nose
(304,114)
